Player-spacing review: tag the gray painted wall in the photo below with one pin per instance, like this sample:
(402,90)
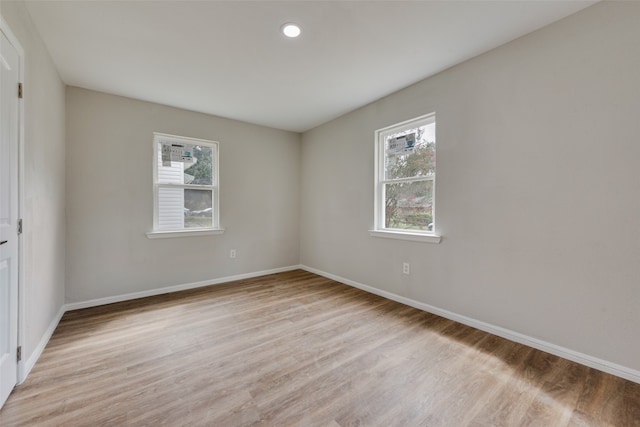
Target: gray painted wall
(44,183)
(110,198)
(537,192)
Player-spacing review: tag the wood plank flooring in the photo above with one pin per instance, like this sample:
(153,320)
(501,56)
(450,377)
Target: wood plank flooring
(296,349)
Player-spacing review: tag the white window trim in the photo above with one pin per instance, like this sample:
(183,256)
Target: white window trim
(184,233)
(403,235)
(379,229)
(187,232)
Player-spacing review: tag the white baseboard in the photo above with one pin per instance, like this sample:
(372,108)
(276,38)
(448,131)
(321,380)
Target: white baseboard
(175,288)
(566,353)
(25,366)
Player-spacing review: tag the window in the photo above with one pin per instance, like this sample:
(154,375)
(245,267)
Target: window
(405,180)
(185,185)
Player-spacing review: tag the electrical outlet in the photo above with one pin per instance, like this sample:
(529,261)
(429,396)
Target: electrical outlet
(232,253)
(406,268)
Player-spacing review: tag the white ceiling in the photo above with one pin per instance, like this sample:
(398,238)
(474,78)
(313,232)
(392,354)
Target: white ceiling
(229,59)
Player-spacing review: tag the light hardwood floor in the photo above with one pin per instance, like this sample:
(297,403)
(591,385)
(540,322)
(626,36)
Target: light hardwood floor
(296,349)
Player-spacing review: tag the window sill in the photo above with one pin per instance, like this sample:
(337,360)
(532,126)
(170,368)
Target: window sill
(404,235)
(183,233)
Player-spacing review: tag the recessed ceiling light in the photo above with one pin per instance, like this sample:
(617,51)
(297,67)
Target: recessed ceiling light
(291,30)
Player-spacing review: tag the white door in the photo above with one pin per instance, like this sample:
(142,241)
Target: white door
(8,218)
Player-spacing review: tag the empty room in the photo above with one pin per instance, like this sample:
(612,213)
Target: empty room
(320,213)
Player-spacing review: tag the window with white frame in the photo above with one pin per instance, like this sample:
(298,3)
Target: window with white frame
(406,177)
(185,184)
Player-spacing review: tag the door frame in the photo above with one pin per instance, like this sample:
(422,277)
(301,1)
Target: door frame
(4,27)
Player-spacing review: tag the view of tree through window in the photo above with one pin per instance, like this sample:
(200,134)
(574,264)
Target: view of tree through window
(185,183)
(408,175)
(201,169)
(408,205)
(198,204)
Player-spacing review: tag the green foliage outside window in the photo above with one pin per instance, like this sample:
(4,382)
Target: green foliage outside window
(409,205)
